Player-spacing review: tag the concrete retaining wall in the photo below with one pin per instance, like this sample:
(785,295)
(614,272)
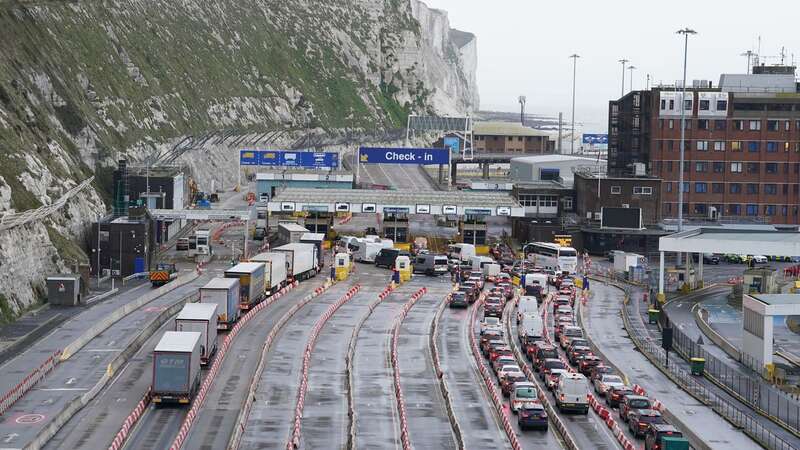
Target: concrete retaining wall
(701,319)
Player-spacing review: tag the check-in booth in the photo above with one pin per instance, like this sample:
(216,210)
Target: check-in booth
(403,266)
(342,264)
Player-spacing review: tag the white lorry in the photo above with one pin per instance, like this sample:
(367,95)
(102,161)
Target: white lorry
(367,251)
(200,317)
(302,260)
(176,367)
(461,252)
(274,269)
(223,292)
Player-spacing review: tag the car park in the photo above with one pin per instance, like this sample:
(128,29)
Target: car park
(615,394)
(532,416)
(605,382)
(640,419)
(458,300)
(524,393)
(655,434)
(570,393)
(632,402)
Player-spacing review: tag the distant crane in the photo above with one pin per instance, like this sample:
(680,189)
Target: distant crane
(749,55)
(522,101)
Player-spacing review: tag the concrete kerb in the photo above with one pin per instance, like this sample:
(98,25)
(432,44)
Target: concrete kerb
(351,349)
(712,334)
(434,332)
(77,404)
(102,296)
(247,403)
(120,313)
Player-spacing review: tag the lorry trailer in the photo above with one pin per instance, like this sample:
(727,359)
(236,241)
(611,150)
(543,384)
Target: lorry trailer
(224,292)
(252,285)
(302,260)
(176,367)
(200,317)
(274,269)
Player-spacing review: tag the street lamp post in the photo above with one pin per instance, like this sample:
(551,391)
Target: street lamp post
(574,57)
(622,91)
(685,32)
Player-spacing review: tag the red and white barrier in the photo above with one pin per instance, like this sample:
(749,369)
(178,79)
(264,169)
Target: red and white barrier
(346,219)
(497,401)
(398,389)
(130,421)
(27,383)
(294,439)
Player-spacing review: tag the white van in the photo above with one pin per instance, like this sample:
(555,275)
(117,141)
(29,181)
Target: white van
(531,328)
(571,393)
(528,305)
(479,261)
(491,271)
(461,252)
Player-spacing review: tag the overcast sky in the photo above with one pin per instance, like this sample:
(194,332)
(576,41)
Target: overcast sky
(524,46)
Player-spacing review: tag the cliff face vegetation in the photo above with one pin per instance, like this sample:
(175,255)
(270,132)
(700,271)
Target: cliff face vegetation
(84,82)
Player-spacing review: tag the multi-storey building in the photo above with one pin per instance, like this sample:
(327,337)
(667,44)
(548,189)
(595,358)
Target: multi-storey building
(742,145)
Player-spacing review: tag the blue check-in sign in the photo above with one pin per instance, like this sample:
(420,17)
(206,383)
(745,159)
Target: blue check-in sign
(403,155)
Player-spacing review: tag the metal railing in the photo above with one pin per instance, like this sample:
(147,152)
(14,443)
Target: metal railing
(745,420)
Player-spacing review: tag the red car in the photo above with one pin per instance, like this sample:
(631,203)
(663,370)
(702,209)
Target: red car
(499,351)
(587,363)
(615,394)
(507,383)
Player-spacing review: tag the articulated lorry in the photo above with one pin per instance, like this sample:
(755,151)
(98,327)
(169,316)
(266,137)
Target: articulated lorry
(274,269)
(252,284)
(302,260)
(176,367)
(201,317)
(223,292)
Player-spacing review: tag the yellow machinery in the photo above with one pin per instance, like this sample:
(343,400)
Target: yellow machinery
(403,265)
(342,264)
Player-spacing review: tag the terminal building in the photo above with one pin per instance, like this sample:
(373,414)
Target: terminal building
(742,145)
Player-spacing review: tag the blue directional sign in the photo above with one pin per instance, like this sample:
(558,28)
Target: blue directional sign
(453,143)
(308,160)
(595,139)
(419,156)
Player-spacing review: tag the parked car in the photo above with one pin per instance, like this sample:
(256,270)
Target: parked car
(640,419)
(532,416)
(655,434)
(759,259)
(629,403)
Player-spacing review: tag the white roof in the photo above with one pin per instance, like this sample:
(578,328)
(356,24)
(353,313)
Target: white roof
(294,246)
(293,227)
(269,257)
(178,341)
(198,311)
(312,237)
(245,267)
(740,242)
(221,283)
(539,159)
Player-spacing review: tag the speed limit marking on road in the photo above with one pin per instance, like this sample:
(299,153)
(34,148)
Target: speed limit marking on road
(27,419)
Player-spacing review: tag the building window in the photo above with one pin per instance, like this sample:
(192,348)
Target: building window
(785,189)
(510,138)
(702,124)
(668,186)
(701,166)
(687,125)
(719,167)
(718,188)
(755,125)
(738,125)
(568,203)
(719,125)
(719,146)
(752,168)
(527,199)
(670,145)
(700,188)
(702,146)
(636,101)
(786,146)
(772,147)
(616,189)
(769,210)
(736,167)
(686,166)
(671,104)
(700,208)
(670,122)
(770,189)
(661,121)
(642,190)
(687,105)
(735,210)
(735,188)
(546,201)
(736,146)
(784,210)
(722,105)
(787,125)
(772,125)
(704,105)
(752,188)
(685,186)
(752,210)
(753,146)
(663,104)
(771,167)
(796,167)
(669,167)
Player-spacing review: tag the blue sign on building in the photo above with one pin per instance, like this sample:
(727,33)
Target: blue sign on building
(280,158)
(595,139)
(419,156)
(453,143)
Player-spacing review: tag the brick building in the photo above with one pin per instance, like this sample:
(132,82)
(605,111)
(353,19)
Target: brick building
(742,153)
(510,137)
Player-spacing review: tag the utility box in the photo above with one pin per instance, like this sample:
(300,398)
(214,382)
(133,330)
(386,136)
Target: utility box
(761,280)
(403,265)
(342,264)
(64,290)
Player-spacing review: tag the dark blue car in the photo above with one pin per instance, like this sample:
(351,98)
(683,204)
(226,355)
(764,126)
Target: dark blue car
(532,416)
